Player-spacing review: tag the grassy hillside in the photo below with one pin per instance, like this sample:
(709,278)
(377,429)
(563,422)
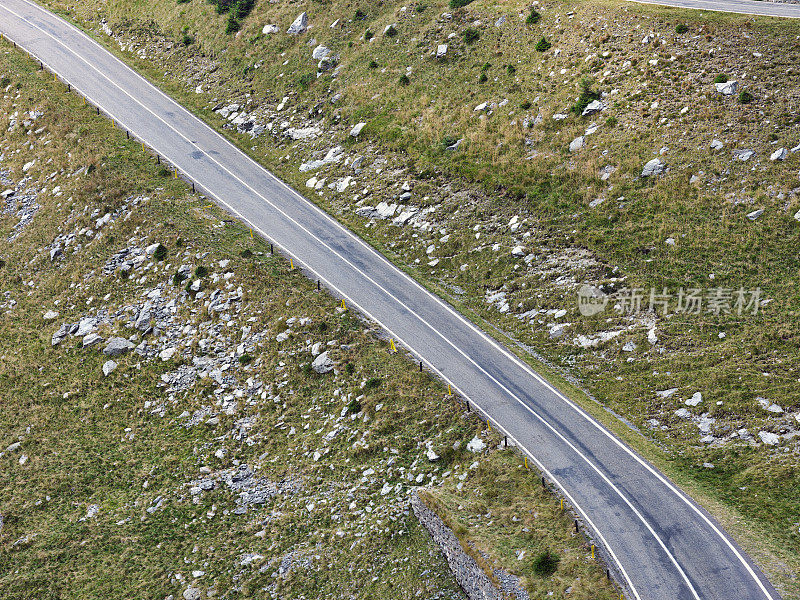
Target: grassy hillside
(511,222)
(212,459)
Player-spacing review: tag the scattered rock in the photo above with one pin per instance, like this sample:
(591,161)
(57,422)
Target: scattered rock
(357,129)
(779,154)
(653,167)
(743,155)
(577,144)
(593,107)
(441,51)
(192,593)
(322,364)
(717,145)
(270,29)
(299,25)
(696,399)
(50,315)
(769,438)
(108,367)
(476,444)
(726,89)
(117,346)
(755,214)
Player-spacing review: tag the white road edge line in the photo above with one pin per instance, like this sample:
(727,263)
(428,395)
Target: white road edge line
(724,10)
(450,309)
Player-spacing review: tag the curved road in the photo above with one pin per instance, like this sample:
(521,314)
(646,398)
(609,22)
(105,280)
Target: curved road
(661,544)
(766,8)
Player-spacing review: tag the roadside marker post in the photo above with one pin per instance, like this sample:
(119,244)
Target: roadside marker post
(592,551)
(392,346)
(176,173)
(449,390)
(251,229)
(291,264)
(526,462)
(489,424)
(562,504)
(344,306)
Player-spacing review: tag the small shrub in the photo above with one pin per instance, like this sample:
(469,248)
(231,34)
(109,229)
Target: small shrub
(459,3)
(160,253)
(368,35)
(179,242)
(124,274)
(201,271)
(745,97)
(471,35)
(373,64)
(349,368)
(485,67)
(525,105)
(183,1)
(233,23)
(245,359)
(421,7)
(390,31)
(2,263)
(483,78)
(322,326)
(611,122)
(5,82)
(511,69)
(354,407)
(188,40)
(189,289)
(721,79)
(304,81)
(545,564)
(178,278)
(404,80)
(164,172)
(542,45)
(681,28)
(359,15)
(587,95)
(246,253)
(447,141)
(373,383)
(533,17)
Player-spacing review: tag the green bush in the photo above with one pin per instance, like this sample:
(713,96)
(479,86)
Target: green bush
(373,64)
(390,31)
(373,383)
(483,78)
(233,23)
(611,122)
(354,407)
(586,96)
(542,45)
(745,97)
(201,271)
(525,105)
(245,359)
(160,253)
(305,81)
(459,3)
(511,69)
(471,35)
(349,368)
(178,278)
(368,35)
(545,564)
(681,28)
(721,79)
(404,80)
(359,15)
(179,242)
(533,17)
(188,40)
(246,253)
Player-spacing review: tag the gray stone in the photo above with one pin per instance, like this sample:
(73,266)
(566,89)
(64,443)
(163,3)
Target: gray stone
(117,346)
(269,29)
(441,51)
(322,364)
(320,52)
(299,25)
(653,167)
(629,347)
(755,214)
(769,438)
(726,89)
(50,315)
(518,251)
(59,335)
(743,155)
(779,154)
(108,367)
(86,326)
(357,129)
(696,399)
(476,444)
(593,107)
(717,145)
(193,593)
(91,340)
(577,144)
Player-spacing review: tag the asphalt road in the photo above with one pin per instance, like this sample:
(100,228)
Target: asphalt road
(745,7)
(661,544)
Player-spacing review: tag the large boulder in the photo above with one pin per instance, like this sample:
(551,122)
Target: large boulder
(726,89)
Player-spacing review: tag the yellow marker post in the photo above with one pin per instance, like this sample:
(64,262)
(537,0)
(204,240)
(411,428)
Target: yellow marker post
(562,504)
(489,425)
(449,390)
(291,264)
(113,123)
(592,551)
(143,148)
(176,173)
(526,462)
(251,233)
(55,77)
(392,346)
(344,306)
